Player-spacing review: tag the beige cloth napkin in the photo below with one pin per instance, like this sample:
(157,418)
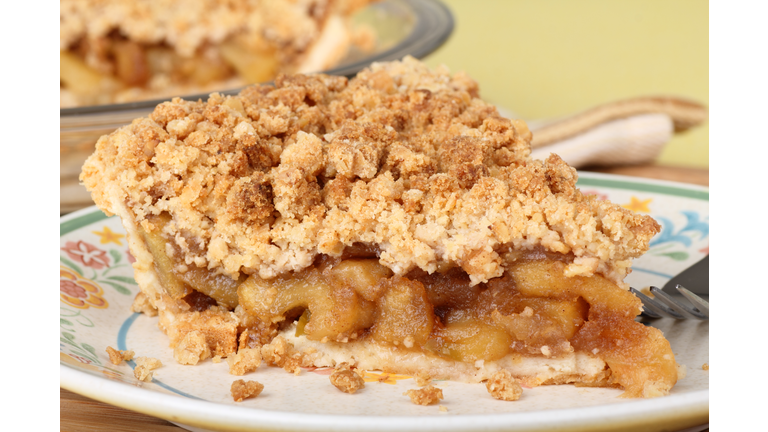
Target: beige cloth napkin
(634,140)
(626,132)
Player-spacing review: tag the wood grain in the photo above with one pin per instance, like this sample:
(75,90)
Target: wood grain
(79,413)
(698,176)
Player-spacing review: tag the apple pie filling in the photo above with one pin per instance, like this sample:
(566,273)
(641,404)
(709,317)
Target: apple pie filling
(532,310)
(128,70)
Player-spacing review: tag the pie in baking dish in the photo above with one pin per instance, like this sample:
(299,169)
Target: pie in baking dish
(130,50)
(393,222)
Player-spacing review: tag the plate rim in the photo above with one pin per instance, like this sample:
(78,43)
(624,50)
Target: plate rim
(679,411)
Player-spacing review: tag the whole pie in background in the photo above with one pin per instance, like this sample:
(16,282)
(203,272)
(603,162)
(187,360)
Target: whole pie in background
(128,50)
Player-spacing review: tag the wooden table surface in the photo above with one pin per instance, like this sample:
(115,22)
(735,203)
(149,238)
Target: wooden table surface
(78,413)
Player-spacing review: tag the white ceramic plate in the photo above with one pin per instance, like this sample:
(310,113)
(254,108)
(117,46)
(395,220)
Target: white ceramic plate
(97,289)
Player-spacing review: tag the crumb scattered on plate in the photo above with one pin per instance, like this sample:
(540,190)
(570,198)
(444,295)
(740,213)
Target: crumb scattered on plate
(242,389)
(118,356)
(425,396)
(144,368)
(503,386)
(346,380)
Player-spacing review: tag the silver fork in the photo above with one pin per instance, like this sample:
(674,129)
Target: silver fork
(664,305)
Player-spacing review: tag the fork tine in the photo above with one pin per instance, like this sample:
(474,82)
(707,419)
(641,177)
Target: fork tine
(646,310)
(701,304)
(653,308)
(677,306)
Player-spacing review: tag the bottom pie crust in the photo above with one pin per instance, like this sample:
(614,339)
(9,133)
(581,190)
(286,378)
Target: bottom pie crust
(530,370)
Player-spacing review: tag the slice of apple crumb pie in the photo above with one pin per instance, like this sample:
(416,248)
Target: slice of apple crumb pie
(392,222)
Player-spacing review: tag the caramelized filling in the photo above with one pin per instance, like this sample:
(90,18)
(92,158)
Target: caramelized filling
(127,64)
(533,309)
(180,280)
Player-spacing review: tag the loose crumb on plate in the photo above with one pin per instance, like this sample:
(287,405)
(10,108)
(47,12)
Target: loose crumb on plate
(246,360)
(281,353)
(443,409)
(346,380)
(242,389)
(425,396)
(705,366)
(144,368)
(503,386)
(118,356)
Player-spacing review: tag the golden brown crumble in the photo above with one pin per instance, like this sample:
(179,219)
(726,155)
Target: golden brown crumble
(400,157)
(503,386)
(216,324)
(705,366)
(192,349)
(422,379)
(144,368)
(246,360)
(141,304)
(281,353)
(346,380)
(277,352)
(118,356)
(242,389)
(425,396)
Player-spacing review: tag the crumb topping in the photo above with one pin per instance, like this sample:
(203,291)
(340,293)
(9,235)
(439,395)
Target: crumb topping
(246,360)
(217,325)
(192,349)
(346,380)
(141,304)
(118,356)
(426,395)
(503,386)
(144,368)
(281,353)
(401,157)
(242,389)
